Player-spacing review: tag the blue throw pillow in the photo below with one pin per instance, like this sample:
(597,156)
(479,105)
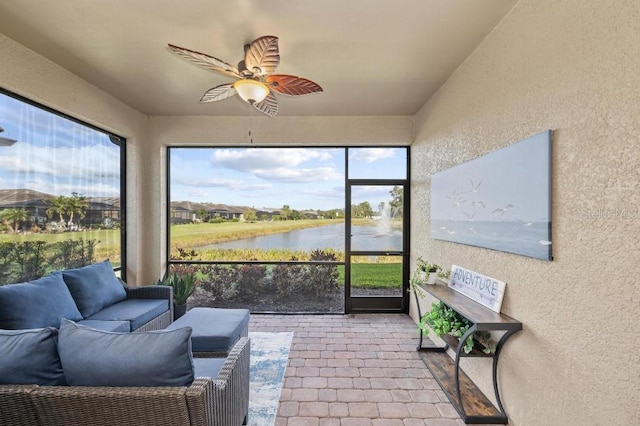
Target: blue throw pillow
(93,357)
(36,304)
(94,287)
(30,357)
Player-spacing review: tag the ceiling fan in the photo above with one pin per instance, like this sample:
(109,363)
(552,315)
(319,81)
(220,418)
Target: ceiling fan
(256,82)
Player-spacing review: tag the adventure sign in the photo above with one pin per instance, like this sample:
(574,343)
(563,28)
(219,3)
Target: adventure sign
(483,289)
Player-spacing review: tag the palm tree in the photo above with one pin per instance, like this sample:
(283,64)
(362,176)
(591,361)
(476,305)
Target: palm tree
(202,215)
(397,200)
(76,204)
(285,212)
(250,215)
(14,216)
(58,206)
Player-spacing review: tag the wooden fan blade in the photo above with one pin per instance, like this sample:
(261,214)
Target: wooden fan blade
(292,85)
(206,61)
(262,56)
(219,93)
(268,106)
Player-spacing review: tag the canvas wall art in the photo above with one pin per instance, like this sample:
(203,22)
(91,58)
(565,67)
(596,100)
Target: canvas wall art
(500,201)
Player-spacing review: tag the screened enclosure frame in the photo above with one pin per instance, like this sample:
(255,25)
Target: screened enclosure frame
(173,262)
(116,140)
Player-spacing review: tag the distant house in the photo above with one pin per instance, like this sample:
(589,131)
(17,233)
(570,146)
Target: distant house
(188,212)
(181,214)
(98,211)
(36,211)
(309,214)
(36,204)
(267,214)
(226,212)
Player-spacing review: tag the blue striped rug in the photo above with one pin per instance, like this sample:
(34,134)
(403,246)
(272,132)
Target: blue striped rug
(269,359)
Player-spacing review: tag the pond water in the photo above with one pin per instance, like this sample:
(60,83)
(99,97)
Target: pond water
(323,237)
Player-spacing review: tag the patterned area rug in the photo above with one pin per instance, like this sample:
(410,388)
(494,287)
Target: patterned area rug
(269,358)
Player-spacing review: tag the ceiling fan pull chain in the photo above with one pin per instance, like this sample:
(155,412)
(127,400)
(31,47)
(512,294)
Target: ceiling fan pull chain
(250,125)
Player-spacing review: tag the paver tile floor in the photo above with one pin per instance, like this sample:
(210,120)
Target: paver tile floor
(356,370)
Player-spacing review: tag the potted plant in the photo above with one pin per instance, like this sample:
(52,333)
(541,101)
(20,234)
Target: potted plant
(444,276)
(183,284)
(446,321)
(425,273)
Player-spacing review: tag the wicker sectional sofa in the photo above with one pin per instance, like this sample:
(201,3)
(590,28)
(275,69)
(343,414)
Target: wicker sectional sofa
(223,401)
(78,348)
(90,295)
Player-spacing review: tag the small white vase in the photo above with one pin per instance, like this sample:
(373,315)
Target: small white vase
(432,278)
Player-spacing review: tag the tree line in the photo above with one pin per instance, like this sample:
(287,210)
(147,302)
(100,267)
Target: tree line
(361,210)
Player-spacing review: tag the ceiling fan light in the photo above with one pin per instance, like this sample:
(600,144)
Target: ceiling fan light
(251,91)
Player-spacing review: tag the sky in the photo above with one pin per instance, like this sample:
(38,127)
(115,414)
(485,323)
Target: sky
(302,178)
(55,155)
(58,156)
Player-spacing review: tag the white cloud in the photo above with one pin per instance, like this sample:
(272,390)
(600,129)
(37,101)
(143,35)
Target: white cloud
(279,164)
(195,193)
(254,187)
(335,193)
(371,155)
(248,160)
(93,171)
(292,175)
(368,193)
(207,183)
(98,161)
(66,188)
(232,185)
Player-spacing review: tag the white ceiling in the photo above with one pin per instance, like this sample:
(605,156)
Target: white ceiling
(372,57)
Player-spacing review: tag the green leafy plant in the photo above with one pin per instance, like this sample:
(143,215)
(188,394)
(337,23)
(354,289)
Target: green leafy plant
(250,280)
(422,271)
(289,278)
(442,274)
(427,267)
(220,281)
(444,320)
(183,283)
(322,279)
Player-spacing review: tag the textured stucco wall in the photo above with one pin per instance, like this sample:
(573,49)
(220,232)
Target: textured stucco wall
(571,66)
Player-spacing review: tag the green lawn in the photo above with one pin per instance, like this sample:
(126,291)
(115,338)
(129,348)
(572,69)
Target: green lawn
(107,248)
(374,275)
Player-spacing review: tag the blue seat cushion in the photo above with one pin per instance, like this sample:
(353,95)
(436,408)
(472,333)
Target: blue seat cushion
(30,357)
(36,304)
(137,311)
(94,287)
(93,357)
(213,329)
(120,326)
(207,367)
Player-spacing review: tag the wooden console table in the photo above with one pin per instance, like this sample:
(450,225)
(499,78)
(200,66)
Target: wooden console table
(472,405)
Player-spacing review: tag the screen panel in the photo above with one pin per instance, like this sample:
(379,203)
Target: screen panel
(61,192)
